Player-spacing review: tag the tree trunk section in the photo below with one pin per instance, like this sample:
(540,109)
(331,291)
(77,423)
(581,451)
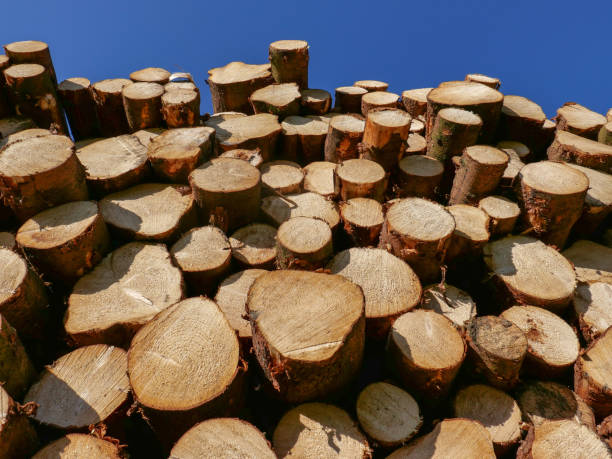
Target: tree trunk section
(142,104)
(572,148)
(109,106)
(453,130)
(31,52)
(289,62)
(343,138)
(17,371)
(181,108)
(502,213)
(362,220)
(348,99)
(303,243)
(231,85)
(77,98)
(361,178)
(385,136)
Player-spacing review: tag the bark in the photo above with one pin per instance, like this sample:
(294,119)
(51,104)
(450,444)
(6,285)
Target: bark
(571,148)
(419,176)
(16,371)
(289,62)
(77,98)
(109,106)
(142,104)
(348,99)
(385,136)
(453,130)
(17,436)
(344,135)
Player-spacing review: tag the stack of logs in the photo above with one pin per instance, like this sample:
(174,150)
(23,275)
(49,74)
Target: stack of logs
(424,275)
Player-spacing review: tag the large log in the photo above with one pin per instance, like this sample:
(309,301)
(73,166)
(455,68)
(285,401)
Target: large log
(502,213)
(419,176)
(575,149)
(231,85)
(249,132)
(319,178)
(361,178)
(579,120)
(278,99)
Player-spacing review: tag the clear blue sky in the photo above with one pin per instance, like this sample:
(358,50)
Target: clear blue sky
(549,51)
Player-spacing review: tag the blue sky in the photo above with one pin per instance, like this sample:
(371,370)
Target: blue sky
(549,51)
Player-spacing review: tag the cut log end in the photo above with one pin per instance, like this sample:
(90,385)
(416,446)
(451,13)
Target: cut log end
(284,177)
(491,82)
(278,99)
(362,220)
(79,445)
(151,75)
(415,101)
(319,178)
(503,214)
(254,246)
(579,120)
(361,178)
(303,243)
(372,85)
(277,209)
(377,100)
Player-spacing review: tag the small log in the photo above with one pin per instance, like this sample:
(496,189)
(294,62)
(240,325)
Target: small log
(277,209)
(40,172)
(344,135)
(283,177)
(572,148)
(502,213)
(417,127)
(217,118)
(378,100)
(591,261)
(173,392)
(17,436)
(372,85)
(348,99)
(203,255)
(362,220)
(278,99)
(453,303)
(419,176)
(32,93)
(496,348)
(149,212)
(419,232)
(142,104)
(127,288)
(388,414)
(289,62)
(180,107)
(544,138)
(253,157)
(303,243)
(315,101)
(495,410)
(319,178)
(384,137)
(593,307)
(249,132)
(416,145)
(31,52)
(551,197)
(521,120)
(231,85)
(176,153)
(17,371)
(79,445)
(254,246)
(82,388)
(303,139)
(308,428)
(480,170)
(14,124)
(227,192)
(469,237)
(491,82)
(454,130)
(361,178)
(77,98)
(151,75)
(579,120)
(415,101)
(300,359)
(181,85)
(553,346)
(65,242)
(222,438)
(113,164)
(109,106)
(515,151)
(390,290)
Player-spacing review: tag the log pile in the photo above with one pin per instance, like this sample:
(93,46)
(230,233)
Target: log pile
(296,274)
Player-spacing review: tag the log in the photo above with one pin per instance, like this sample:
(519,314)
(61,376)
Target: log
(450,438)
(415,145)
(303,243)
(203,255)
(384,137)
(14,124)
(553,346)
(176,153)
(390,290)
(572,148)
(362,220)
(254,246)
(593,307)
(315,101)
(31,52)
(32,93)
(579,120)
(388,414)
(419,176)
(415,101)
(223,438)
(605,134)
(146,136)
(474,97)
(79,445)
(453,303)
(23,299)
(378,100)
(597,204)
(361,178)
(180,107)
(232,298)
(127,288)
(425,350)
(303,139)
(6,107)
(591,261)
(562,439)
(289,62)
(84,387)
(174,392)
(256,131)
(417,127)
(454,130)
(113,164)
(181,85)
(419,232)
(232,84)
(283,177)
(65,242)
(319,178)
(227,192)
(551,197)
(542,401)
(216,118)
(469,237)
(142,104)
(480,170)
(515,151)
(344,135)
(544,138)
(253,157)
(491,82)
(151,75)
(40,172)
(502,212)
(372,85)
(303,358)
(17,371)
(17,436)
(307,429)
(348,99)
(109,106)
(77,99)
(149,212)
(277,209)
(593,375)
(495,410)
(278,99)
(521,120)
(497,349)
(526,271)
